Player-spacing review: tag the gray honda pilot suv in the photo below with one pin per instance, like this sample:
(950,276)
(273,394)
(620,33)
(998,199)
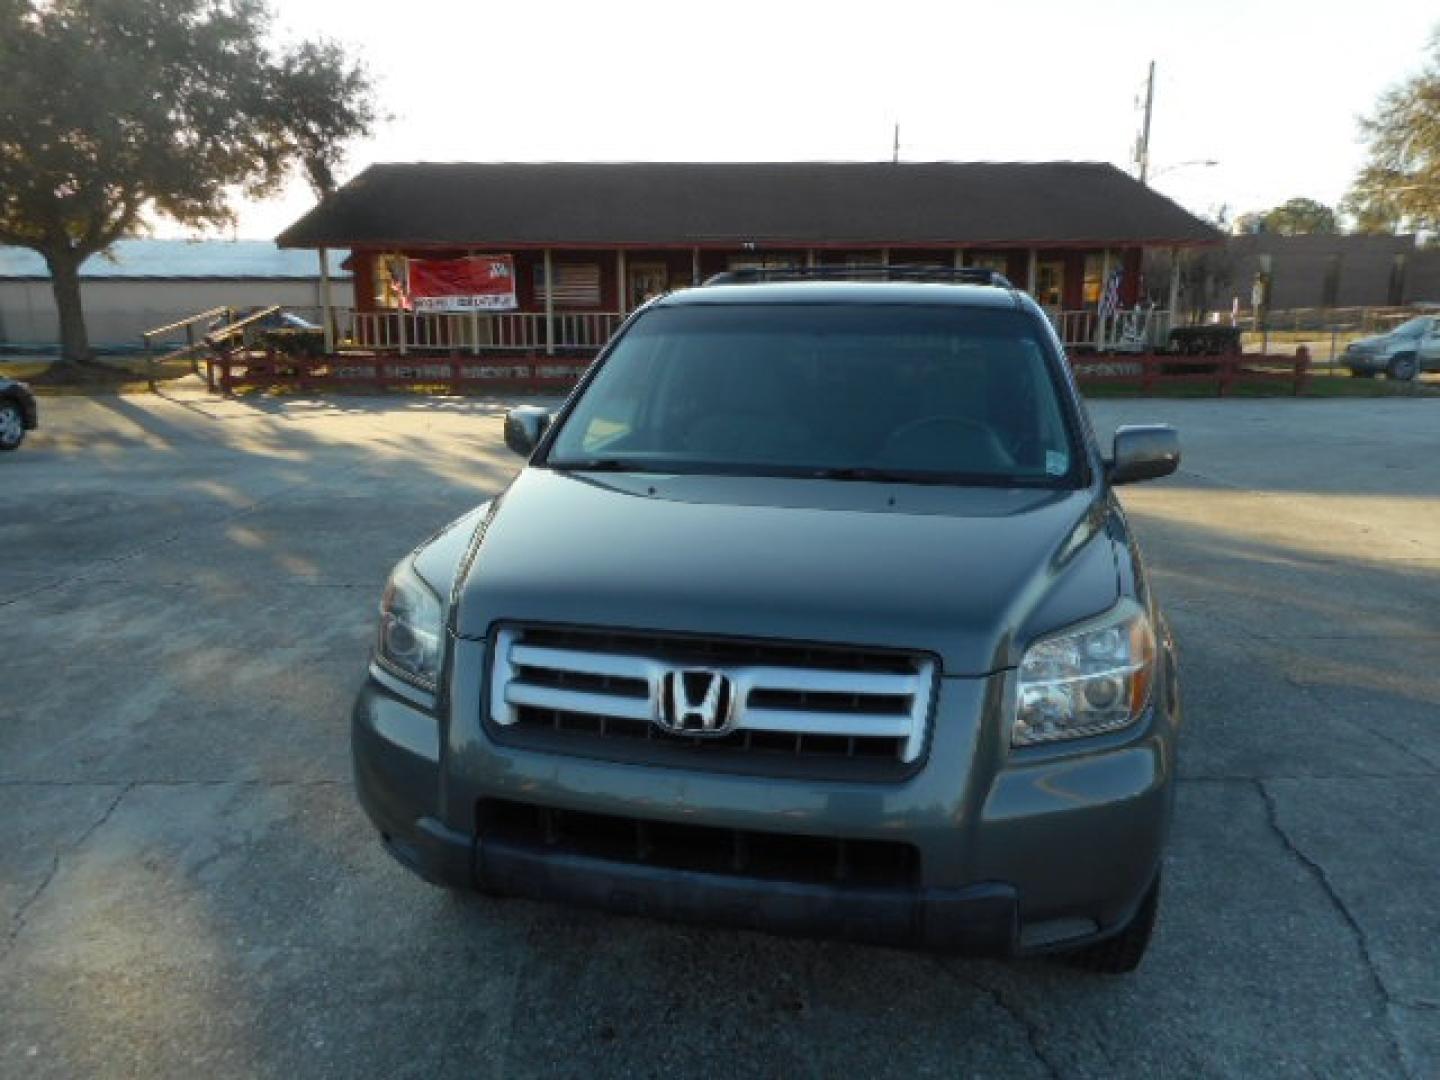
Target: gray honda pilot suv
(813,610)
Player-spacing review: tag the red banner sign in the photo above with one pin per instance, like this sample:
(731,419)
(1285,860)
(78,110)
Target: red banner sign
(473,283)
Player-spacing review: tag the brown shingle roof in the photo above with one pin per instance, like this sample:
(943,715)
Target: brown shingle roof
(770,204)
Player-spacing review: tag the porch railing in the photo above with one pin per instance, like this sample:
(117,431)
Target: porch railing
(1135,330)
(476,332)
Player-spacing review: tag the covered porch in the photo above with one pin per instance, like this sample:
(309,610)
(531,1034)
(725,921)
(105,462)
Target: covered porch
(1094,295)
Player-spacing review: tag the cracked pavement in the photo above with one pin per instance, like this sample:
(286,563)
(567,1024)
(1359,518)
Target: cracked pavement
(186,594)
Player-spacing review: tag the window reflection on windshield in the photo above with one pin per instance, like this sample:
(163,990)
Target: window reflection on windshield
(849,392)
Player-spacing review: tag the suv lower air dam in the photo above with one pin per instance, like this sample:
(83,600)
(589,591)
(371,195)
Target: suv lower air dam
(702,848)
(862,890)
(814,610)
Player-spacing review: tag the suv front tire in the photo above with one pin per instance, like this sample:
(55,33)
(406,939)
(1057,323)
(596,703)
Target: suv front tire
(1122,953)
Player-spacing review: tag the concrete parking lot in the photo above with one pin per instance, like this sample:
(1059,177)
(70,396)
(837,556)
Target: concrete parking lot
(187,885)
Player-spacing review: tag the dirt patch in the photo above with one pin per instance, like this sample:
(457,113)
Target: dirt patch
(114,376)
(91,375)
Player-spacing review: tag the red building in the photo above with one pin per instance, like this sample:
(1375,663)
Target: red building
(610,235)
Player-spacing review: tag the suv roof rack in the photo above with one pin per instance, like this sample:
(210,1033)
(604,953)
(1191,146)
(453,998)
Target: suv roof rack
(953,275)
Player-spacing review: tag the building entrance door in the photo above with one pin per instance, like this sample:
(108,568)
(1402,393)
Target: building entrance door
(646,280)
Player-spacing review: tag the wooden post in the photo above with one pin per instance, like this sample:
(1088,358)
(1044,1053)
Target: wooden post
(549,304)
(1302,368)
(620,288)
(695,266)
(150,355)
(1100,335)
(326,305)
(1174,284)
(1032,271)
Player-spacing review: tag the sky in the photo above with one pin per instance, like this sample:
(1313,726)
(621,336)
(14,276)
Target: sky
(1269,89)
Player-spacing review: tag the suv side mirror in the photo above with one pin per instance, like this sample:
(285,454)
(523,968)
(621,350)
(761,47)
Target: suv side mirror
(524,427)
(1143,452)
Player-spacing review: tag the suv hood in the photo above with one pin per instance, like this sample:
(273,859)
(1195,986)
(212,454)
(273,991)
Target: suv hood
(970,574)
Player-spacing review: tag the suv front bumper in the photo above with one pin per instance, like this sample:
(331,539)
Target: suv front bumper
(1018,852)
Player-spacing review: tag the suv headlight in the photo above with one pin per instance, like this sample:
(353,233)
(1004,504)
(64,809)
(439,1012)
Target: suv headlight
(1086,681)
(411,628)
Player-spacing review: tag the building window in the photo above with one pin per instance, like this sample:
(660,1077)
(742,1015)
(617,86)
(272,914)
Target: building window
(577,285)
(389,282)
(1395,293)
(1050,283)
(857,260)
(997,261)
(647,280)
(1330,287)
(1093,286)
(774,261)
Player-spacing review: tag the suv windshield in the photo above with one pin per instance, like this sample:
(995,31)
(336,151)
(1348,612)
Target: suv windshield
(940,394)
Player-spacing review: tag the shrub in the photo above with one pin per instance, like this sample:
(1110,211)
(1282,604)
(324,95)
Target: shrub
(295,342)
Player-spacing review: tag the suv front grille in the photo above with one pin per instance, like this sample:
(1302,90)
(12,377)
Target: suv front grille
(815,710)
(704,848)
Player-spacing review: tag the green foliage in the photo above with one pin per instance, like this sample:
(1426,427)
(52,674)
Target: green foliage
(1400,183)
(1294,217)
(114,109)
(294,341)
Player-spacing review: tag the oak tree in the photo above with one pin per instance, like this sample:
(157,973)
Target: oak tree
(113,111)
(1399,185)
(1294,217)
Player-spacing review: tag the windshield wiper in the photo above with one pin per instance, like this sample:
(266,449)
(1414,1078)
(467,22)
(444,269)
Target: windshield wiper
(865,473)
(596,465)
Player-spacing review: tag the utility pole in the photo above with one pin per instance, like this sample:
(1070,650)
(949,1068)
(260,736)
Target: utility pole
(1142,148)
(896,158)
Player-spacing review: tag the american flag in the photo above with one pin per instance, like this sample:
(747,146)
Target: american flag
(576,285)
(1110,299)
(397,277)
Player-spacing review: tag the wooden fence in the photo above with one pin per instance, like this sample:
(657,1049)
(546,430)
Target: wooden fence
(1151,371)
(460,373)
(455,374)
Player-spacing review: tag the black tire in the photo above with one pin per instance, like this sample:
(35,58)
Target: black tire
(12,425)
(1403,368)
(1122,953)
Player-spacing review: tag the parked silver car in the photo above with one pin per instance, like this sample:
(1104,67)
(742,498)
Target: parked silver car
(1412,347)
